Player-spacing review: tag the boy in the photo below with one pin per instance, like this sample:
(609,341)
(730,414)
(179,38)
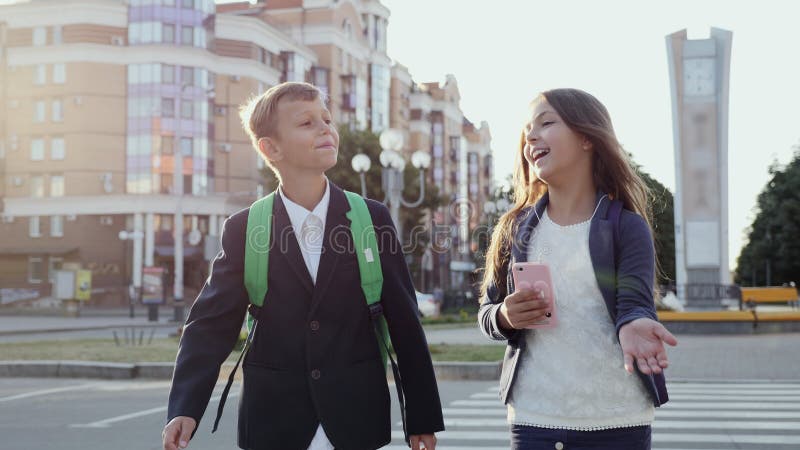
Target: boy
(313,376)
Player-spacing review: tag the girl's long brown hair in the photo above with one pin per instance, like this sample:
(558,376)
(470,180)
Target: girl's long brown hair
(612,171)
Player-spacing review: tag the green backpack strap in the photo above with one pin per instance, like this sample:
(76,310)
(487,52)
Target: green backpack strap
(256,253)
(369,265)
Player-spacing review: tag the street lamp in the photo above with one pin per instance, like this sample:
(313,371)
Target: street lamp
(393,164)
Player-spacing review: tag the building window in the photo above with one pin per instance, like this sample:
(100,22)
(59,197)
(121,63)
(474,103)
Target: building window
(33,227)
(187,35)
(39,36)
(37,149)
(186,146)
(187,76)
(57,151)
(56,226)
(54,264)
(58,111)
(169,33)
(187,4)
(56,185)
(39,111)
(167,107)
(35,269)
(40,74)
(186,109)
(167,74)
(59,73)
(57,35)
(37,186)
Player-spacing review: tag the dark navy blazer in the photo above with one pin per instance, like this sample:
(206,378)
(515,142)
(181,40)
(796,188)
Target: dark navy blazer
(314,357)
(624,272)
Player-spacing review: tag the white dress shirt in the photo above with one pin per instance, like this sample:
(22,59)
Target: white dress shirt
(309,227)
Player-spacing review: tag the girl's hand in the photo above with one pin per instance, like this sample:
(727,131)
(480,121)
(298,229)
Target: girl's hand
(643,340)
(522,308)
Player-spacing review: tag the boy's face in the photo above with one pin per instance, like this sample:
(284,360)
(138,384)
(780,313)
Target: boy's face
(305,138)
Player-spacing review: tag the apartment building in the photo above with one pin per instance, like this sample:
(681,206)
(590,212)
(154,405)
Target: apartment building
(99,103)
(104,102)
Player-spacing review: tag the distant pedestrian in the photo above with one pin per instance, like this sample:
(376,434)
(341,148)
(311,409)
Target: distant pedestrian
(581,208)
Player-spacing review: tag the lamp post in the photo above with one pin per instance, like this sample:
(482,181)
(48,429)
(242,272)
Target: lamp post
(393,164)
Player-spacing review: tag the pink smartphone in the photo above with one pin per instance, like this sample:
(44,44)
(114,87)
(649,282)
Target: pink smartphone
(531,275)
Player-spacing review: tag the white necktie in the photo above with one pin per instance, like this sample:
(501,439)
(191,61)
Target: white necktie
(311,234)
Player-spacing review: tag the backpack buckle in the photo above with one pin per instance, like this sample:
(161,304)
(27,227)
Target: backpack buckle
(375,310)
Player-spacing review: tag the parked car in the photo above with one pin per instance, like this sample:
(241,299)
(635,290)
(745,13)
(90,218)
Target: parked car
(428,305)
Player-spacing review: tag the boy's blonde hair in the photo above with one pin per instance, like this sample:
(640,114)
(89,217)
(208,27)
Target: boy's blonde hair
(258,115)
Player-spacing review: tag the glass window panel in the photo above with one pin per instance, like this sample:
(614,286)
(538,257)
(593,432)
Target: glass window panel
(37,149)
(167,73)
(37,186)
(57,185)
(57,151)
(186,109)
(40,74)
(39,111)
(186,146)
(59,73)
(57,35)
(187,35)
(56,226)
(168,33)
(187,76)
(39,36)
(35,264)
(58,111)
(167,107)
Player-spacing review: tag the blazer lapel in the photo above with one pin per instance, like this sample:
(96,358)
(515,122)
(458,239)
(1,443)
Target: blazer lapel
(285,242)
(336,222)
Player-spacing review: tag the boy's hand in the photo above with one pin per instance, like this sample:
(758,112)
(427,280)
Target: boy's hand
(643,340)
(428,441)
(177,433)
(522,308)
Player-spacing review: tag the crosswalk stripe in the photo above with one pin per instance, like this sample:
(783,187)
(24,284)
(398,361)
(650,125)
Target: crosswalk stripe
(730,405)
(729,438)
(706,413)
(773,398)
(725,425)
(699,416)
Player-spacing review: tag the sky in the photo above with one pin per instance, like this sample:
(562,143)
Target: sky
(504,52)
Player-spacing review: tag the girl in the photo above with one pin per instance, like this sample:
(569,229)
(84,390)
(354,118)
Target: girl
(565,387)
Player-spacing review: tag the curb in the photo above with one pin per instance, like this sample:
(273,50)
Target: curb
(444,370)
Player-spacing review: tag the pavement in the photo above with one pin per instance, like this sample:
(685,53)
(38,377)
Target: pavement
(745,356)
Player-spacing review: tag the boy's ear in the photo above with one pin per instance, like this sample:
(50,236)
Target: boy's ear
(269,149)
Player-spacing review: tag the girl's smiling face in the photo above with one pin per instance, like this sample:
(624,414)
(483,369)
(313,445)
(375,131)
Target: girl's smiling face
(552,149)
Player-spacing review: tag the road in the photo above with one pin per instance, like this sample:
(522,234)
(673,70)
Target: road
(73,414)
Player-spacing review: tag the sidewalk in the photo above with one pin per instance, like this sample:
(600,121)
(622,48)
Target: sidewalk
(27,324)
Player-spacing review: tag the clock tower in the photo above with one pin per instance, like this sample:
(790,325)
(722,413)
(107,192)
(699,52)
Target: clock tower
(699,72)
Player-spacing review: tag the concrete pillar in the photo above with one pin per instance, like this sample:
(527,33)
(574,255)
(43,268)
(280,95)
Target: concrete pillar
(149,240)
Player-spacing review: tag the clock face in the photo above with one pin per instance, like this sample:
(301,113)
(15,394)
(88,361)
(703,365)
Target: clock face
(699,77)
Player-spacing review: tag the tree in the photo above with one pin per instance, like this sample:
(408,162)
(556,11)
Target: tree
(662,207)
(772,253)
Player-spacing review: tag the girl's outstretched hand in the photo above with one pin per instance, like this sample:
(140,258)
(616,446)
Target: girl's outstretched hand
(643,340)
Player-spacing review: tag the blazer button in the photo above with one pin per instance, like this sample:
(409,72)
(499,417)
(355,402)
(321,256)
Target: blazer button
(315,374)
(314,325)
(559,446)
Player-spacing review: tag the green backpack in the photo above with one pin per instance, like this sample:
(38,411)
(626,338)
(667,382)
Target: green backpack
(256,265)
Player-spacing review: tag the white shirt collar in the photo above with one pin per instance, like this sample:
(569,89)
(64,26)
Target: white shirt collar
(298,214)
